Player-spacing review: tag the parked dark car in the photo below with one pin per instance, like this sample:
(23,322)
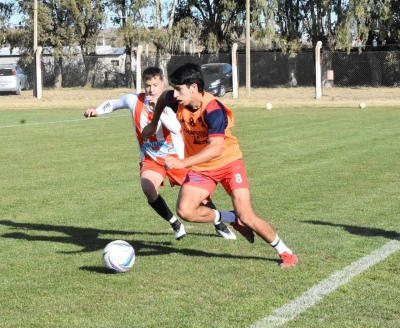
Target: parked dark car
(217,78)
(12,79)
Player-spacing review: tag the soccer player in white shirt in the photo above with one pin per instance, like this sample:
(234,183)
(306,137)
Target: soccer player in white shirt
(167,140)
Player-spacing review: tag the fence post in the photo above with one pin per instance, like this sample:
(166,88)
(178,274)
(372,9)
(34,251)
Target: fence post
(234,72)
(318,79)
(37,85)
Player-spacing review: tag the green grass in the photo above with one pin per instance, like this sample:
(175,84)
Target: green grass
(327,179)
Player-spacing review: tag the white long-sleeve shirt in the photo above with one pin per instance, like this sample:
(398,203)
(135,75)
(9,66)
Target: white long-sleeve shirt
(167,138)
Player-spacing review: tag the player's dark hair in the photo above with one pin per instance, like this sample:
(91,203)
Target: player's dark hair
(151,72)
(188,74)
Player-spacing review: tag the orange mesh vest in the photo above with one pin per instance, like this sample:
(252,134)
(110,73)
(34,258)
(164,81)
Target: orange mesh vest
(195,135)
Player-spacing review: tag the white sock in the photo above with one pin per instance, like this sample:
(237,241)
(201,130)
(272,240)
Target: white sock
(280,246)
(173,219)
(217,219)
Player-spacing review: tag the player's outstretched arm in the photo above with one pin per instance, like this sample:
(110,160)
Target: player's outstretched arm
(151,128)
(108,106)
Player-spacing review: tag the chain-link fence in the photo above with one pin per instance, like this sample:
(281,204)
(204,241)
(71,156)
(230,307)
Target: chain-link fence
(277,69)
(268,69)
(373,68)
(108,72)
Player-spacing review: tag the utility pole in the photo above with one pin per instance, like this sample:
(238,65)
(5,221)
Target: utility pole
(35,26)
(37,83)
(248,76)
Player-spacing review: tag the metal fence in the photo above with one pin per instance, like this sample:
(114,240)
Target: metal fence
(374,68)
(268,69)
(276,69)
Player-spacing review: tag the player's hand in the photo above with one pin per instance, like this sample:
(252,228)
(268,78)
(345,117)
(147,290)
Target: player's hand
(90,112)
(149,130)
(172,162)
(152,99)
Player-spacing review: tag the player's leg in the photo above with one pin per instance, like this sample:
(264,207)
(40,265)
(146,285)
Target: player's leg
(196,187)
(233,178)
(244,210)
(220,227)
(235,182)
(178,177)
(188,204)
(151,180)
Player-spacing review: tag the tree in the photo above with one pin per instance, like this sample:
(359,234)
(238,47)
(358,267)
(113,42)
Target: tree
(6,10)
(221,22)
(88,18)
(337,23)
(64,24)
(126,12)
(279,24)
(394,23)
(146,22)
(14,36)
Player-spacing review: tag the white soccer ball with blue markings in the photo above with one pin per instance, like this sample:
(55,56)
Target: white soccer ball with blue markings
(119,256)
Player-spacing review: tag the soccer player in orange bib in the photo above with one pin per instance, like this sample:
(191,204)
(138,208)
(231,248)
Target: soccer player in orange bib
(166,140)
(213,156)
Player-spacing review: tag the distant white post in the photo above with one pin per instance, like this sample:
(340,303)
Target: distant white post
(235,87)
(38,88)
(318,78)
(139,69)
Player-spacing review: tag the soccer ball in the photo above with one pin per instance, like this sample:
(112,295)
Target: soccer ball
(119,256)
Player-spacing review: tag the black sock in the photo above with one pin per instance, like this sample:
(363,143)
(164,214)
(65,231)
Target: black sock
(162,208)
(210,204)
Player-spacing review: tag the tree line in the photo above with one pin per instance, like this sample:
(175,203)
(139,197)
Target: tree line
(215,25)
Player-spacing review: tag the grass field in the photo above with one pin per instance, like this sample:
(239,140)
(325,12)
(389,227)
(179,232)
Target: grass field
(324,174)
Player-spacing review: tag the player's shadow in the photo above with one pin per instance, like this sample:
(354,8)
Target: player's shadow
(89,240)
(361,231)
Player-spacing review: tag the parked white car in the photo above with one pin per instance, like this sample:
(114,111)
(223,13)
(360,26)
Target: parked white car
(12,79)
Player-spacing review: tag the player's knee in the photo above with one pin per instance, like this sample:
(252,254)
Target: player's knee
(150,191)
(185,213)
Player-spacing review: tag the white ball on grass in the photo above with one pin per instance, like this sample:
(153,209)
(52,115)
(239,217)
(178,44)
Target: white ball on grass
(118,256)
(268,106)
(362,105)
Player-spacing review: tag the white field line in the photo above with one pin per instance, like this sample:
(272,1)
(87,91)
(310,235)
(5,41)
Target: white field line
(300,304)
(55,122)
